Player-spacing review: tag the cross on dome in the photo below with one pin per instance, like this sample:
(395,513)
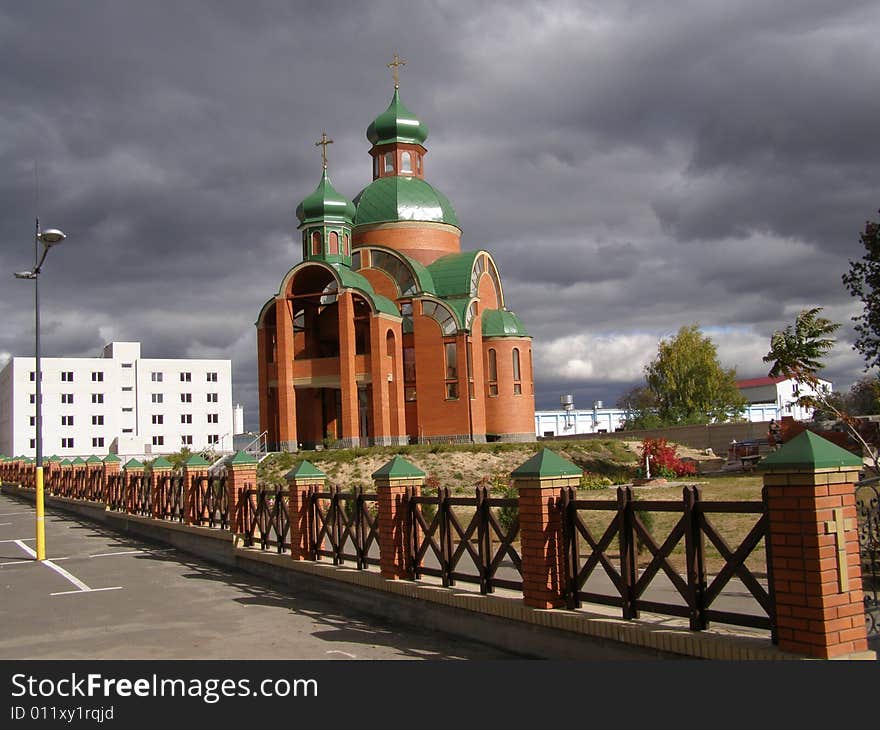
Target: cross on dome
(395,65)
(323,142)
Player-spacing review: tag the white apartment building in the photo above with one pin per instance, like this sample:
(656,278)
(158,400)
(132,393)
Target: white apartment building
(117,403)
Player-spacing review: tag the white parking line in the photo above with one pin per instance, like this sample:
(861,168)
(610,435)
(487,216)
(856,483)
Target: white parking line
(13,514)
(23,539)
(127,552)
(82,587)
(5,524)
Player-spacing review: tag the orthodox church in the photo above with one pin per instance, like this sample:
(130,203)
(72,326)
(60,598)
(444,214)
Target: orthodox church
(387,333)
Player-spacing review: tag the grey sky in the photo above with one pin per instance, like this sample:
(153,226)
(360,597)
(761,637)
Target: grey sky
(633,167)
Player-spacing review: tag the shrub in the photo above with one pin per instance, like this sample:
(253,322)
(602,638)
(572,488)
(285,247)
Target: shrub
(594,481)
(663,459)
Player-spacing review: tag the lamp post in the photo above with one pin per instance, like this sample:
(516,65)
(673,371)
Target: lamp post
(50,237)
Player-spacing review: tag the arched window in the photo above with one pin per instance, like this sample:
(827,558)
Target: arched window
(406,162)
(316,243)
(517,378)
(451,370)
(419,164)
(376,166)
(334,243)
(493,373)
(389,162)
(346,250)
(442,315)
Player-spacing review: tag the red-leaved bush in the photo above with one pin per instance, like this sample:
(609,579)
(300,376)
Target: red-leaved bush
(663,459)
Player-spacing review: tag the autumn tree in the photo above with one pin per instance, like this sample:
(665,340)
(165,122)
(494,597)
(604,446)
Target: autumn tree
(640,405)
(688,382)
(863,281)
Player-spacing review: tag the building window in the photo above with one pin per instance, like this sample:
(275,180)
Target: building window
(334,243)
(389,162)
(376,167)
(406,162)
(127,430)
(156,377)
(186,418)
(493,373)
(213,418)
(33,420)
(67,398)
(66,420)
(157,398)
(127,388)
(33,443)
(409,374)
(212,377)
(418,163)
(517,380)
(34,376)
(470,369)
(128,410)
(212,398)
(98,376)
(186,398)
(186,440)
(67,443)
(316,243)
(98,442)
(97,397)
(67,376)
(213,438)
(158,419)
(346,246)
(186,377)
(127,364)
(97,420)
(158,440)
(451,350)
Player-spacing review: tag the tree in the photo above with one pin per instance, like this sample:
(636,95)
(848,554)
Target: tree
(688,382)
(863,281)
(640,405)
(797,352)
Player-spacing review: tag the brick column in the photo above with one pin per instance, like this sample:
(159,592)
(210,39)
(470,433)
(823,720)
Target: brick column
(287,437)
(815,569)
(79,477)
(94,475)
(299,481)
(351,434)
(380,369)
(195,468)
(539,481)
(112,467)
(241,474)
(50,474)
(392,482)
(132,470)
(64,476)
(159,470)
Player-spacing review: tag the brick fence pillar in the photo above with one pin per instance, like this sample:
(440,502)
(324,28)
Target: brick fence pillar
(50,474)
(160,469)
(815,569)
(300,480)
(538,482)
(195,469)
(241,475)
(112,467)
(65,475)
(94,476)
(392,482)
(79,471)
(133,470)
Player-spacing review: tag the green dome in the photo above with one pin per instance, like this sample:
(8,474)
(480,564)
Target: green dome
(397,124)
(398,198)
(502,323)
(325,204)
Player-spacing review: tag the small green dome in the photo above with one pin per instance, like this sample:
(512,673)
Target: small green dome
(502,323)
(397,124)
(396,198)
(325,204)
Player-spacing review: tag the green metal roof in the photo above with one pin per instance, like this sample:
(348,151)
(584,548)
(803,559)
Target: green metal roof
(305,470)
(133,464)
(402,199)
(53,458)
(325,204)
(112,459)
(502,323)
(353,280)
(78,461)
(243,458)
(397,124)
(197,460)
(452,273)
(546,464)
(161,463)
(809,451)
(423,276)
(66,462)
(94,460)
(398,468)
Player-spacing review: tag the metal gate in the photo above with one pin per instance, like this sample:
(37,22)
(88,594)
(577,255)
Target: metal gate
(868,505)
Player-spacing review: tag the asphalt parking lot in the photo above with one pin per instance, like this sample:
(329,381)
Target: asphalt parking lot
(101,595)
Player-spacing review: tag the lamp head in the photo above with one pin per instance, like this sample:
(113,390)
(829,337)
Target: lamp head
(51,236)
(25,275)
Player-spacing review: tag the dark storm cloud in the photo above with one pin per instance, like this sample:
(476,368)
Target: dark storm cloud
(633,167)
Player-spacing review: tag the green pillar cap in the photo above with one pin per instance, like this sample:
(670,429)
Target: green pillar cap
(52,458)
(197,460)
(112,459)
(305,470)
(397,468)
(242,458)
(94,460)
(78,461)
(66,462)
(547,464)
(809,451)
(161,463)
(133,464)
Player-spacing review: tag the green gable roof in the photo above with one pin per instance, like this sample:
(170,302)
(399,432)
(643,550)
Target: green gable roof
(242,457)
(133,464)
(398,468)
(112,459)
(396,198)
(809,451)
(502,323)
(546,464)
(94,460)
(397,124)
(305,470)
(161,463)
(197,460)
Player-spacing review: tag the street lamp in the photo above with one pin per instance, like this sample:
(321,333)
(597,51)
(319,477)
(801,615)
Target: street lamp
(50,237)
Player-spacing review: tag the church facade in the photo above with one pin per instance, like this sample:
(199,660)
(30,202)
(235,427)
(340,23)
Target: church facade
(387,332)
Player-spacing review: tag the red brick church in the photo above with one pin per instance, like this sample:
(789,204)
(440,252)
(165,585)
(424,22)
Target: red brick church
(387,332)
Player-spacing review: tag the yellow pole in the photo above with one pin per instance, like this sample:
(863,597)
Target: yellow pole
(41,528)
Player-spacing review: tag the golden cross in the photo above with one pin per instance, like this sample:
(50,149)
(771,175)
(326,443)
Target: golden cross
(395,65)
(837,527)
(323,142)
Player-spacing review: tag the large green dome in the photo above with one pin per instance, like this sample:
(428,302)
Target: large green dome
(325,204)
(397,124)
(397,198)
